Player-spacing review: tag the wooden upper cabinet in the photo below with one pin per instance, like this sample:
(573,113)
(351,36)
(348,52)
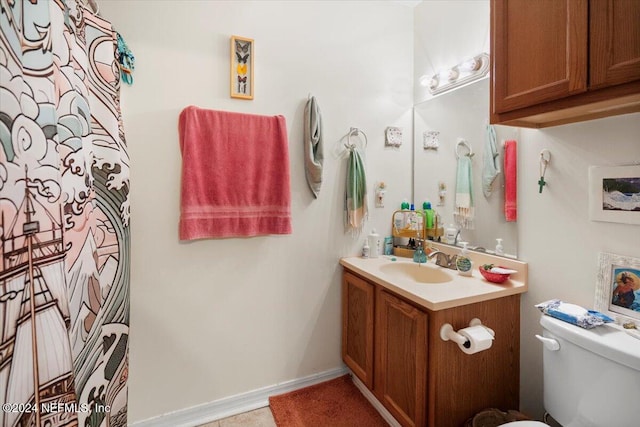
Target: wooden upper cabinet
(614,39)
(539,50)
(563,61)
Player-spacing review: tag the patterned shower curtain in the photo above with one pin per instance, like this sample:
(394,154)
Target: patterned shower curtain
(64,219)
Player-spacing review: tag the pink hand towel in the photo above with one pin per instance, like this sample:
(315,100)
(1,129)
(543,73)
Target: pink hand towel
(235,174)
(511,181)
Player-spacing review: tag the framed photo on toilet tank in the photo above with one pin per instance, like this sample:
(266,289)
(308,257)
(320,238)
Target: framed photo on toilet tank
(614,194)
(618,287)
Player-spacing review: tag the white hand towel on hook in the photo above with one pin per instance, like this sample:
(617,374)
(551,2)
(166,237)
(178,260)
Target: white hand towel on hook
(490,162)
(313,145)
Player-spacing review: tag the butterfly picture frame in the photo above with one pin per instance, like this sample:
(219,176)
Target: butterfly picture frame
(242,61)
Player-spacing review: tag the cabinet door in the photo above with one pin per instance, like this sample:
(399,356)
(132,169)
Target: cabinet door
(463,384)
(401,359)
(357,326)
(539,51)
(614,42)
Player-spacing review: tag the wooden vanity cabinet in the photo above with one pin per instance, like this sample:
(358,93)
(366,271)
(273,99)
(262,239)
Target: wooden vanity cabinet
(401,359)
(562,61)
(419,378)
(357,326)
(461,385)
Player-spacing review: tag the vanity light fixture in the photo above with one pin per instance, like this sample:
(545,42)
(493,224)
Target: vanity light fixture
(465,72)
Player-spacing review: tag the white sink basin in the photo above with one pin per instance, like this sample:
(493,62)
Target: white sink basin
(421,273)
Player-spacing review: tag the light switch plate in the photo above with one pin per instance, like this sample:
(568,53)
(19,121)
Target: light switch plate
(393,136)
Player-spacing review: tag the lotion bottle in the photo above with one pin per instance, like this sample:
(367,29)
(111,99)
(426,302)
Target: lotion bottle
(420,221)
(428,214)
(450,235)
(365,249)
(463,262)
(405,216)
(413,219)
(375,244)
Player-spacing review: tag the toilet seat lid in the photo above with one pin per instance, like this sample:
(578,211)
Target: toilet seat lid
(525,424)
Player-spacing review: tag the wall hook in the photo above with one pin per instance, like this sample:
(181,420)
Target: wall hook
(545,158)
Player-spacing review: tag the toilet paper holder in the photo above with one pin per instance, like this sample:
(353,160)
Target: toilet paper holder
(447,333)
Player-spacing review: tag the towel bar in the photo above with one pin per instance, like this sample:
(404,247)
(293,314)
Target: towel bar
(355,131)
(464,143)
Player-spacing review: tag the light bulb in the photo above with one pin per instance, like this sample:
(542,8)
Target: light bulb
(435,81)
(472,64)
(453,74)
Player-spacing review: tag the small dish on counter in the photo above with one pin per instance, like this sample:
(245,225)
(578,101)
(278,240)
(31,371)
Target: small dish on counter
(500,276)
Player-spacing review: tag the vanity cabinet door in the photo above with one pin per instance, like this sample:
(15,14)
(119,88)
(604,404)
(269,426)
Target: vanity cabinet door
(357,326)
(401,359)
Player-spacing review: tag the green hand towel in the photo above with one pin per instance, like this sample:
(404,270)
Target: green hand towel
(463,213)
(356,192)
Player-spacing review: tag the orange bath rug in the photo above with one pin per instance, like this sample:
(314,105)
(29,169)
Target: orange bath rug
(337,403)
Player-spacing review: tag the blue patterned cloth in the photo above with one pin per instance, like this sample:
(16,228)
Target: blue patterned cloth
(573,314)
(126,60)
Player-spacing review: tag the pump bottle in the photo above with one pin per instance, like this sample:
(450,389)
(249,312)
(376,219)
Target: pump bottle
(463,262)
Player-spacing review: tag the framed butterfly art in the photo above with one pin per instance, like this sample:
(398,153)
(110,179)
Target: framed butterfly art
(242,62)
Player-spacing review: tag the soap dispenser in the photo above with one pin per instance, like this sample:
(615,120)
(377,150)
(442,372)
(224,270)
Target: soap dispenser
(419,255)
(463,262)
(499,248)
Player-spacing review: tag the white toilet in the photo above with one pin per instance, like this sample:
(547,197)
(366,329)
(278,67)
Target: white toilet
(591,376)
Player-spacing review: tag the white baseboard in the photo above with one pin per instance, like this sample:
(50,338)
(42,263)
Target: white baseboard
(233,405)
(375,402)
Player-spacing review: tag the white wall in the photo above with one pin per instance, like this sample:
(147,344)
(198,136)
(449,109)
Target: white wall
(446,33)
(555,235)
(214,318)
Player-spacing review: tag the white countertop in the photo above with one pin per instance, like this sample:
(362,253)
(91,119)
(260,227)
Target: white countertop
(459,291)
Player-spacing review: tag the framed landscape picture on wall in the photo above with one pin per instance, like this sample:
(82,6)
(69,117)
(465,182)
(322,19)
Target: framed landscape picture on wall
(614,194)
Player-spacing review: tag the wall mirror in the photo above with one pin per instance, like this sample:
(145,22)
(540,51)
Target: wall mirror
(441,120)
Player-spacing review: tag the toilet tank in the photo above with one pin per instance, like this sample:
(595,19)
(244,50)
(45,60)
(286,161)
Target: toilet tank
(593,379)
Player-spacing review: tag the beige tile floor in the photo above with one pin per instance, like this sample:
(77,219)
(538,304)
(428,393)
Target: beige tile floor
(259,418)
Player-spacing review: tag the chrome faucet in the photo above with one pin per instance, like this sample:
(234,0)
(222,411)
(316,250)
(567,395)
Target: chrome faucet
(444,260)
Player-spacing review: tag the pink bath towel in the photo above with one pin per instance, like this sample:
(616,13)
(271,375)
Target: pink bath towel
(235,174)
(511,181)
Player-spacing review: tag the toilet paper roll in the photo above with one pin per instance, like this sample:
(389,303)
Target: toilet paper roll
(478,337)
